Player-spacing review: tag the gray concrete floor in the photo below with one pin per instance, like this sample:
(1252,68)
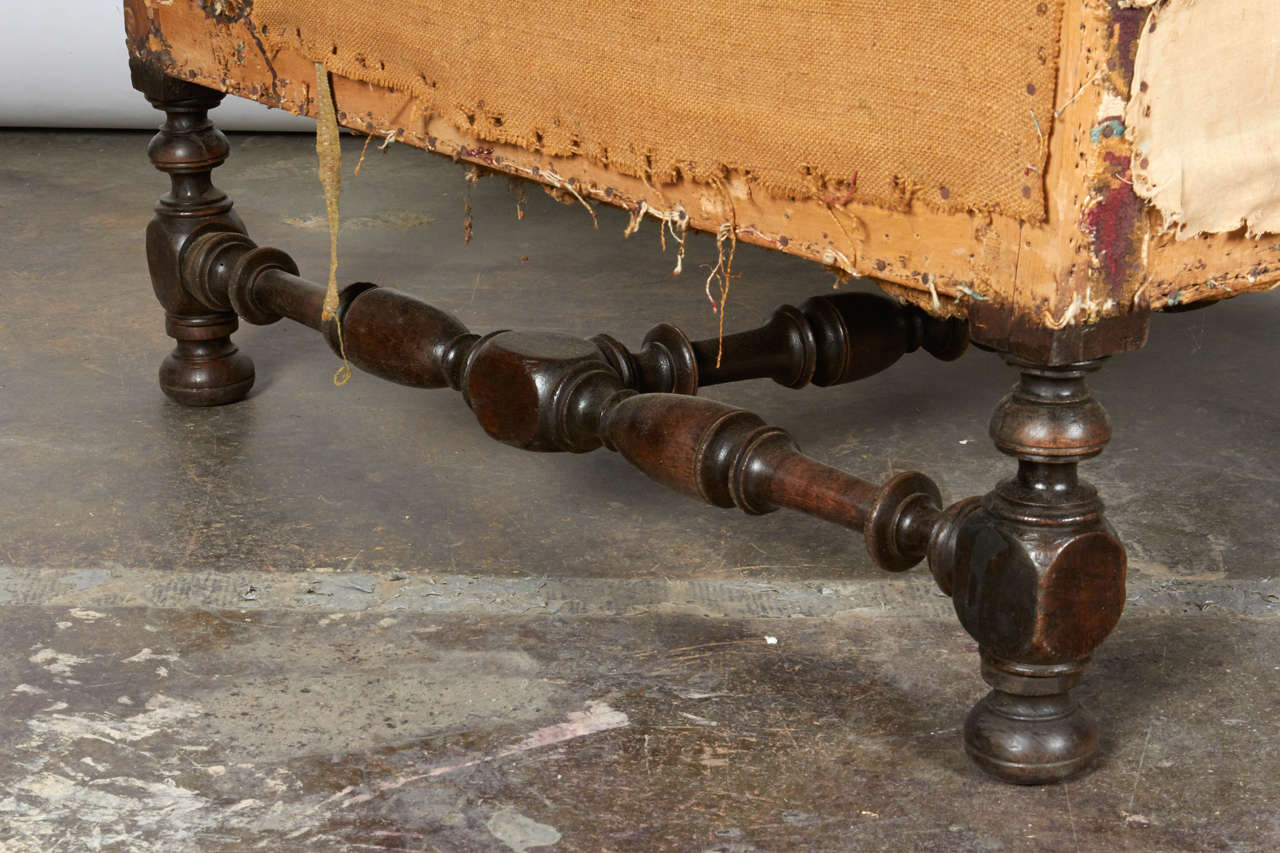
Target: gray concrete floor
(343,619)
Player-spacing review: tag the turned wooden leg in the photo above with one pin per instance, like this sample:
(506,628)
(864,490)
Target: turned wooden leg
(1037,577)
(205,367)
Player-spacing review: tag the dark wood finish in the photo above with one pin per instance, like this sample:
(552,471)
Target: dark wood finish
(205,367)
(549,392)
(1037,577)
(828,340)
(1035,571)
(994,327)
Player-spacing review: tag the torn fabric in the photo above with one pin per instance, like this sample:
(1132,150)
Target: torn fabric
(945,105)
(1204,118)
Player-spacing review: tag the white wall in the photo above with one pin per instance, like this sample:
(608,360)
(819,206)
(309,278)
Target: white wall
(63,63)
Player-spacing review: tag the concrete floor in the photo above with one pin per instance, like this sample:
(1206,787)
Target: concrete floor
(344,619)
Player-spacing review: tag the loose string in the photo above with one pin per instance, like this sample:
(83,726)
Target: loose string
(329,170)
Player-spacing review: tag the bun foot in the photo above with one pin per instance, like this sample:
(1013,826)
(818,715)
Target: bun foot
(206,373)
(1031,737)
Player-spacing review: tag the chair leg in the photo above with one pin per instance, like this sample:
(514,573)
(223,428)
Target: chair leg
(205,367)
(1037,577)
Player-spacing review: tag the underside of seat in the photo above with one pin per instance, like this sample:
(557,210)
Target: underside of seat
(974,161)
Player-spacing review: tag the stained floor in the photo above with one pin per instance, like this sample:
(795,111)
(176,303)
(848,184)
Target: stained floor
(343,619)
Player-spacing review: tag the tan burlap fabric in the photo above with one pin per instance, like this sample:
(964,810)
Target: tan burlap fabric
(884,101)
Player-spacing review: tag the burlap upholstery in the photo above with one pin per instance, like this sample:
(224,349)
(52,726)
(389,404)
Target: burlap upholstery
(948,104)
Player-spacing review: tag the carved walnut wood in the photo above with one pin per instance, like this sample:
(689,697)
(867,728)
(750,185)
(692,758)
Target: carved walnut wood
(1035,572)
(205,368)
(1037,577)
(550,392)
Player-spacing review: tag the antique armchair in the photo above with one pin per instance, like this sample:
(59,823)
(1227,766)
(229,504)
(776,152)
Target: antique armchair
(1032,176)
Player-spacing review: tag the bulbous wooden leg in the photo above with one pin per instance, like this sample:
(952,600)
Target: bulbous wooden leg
(205,367)
(1037,577)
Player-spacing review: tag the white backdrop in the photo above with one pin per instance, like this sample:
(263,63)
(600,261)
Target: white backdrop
(63,63)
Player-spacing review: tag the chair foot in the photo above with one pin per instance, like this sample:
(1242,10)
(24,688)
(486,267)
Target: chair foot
(206,371)
(1037,577)
(1031,737)
(205,368)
